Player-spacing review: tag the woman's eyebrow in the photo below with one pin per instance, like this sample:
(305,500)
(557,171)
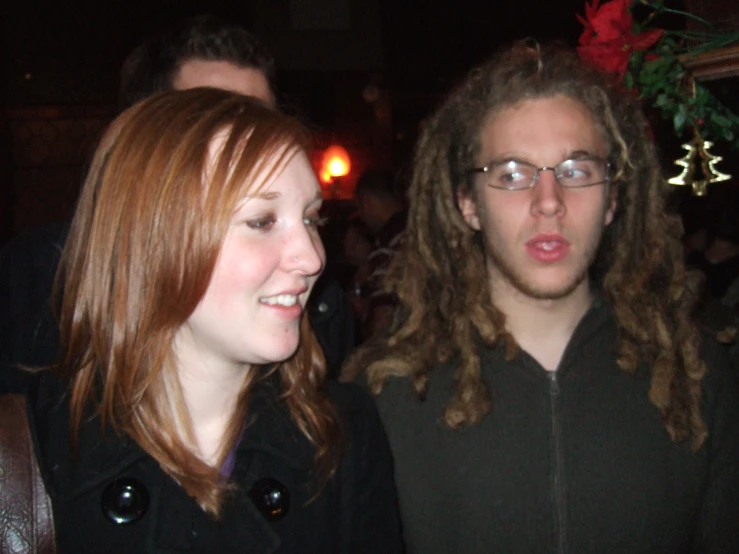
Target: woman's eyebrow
(266,195)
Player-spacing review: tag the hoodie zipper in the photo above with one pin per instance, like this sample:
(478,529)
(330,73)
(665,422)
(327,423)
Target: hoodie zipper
(558,471)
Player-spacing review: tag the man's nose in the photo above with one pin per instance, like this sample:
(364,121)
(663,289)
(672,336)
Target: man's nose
(548,194)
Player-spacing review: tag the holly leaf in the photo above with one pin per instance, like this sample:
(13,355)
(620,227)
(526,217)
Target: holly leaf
(678,120)
(628,80)
(720,120)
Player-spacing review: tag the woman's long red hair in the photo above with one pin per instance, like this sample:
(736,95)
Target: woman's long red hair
(144,241)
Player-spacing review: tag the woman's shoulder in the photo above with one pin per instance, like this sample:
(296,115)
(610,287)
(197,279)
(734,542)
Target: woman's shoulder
(360,421)
(46,392)
(43,392)
(48,406)
(353,401)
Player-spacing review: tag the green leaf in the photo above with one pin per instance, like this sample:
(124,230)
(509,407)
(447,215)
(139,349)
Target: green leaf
(663,81)
(648,78)
(678,120)
(628,80)
(720,120)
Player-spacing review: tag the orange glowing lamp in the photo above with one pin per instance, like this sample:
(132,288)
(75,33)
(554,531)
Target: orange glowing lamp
(336,163)
(325,176)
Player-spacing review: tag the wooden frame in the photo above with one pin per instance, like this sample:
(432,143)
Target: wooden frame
(716,64)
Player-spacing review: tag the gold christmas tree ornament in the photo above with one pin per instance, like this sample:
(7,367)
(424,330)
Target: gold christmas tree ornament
(699,166)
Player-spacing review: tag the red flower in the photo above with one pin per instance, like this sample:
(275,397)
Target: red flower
(608,40)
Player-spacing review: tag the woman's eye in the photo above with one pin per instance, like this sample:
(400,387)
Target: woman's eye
(261,223)
(315,221)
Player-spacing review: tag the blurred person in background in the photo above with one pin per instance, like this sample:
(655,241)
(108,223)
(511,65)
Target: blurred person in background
(384,213)
(358,247)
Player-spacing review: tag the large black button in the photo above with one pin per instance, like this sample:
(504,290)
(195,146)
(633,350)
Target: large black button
(125,500)
(271,498)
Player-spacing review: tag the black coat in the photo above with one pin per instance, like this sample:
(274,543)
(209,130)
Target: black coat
(112,481)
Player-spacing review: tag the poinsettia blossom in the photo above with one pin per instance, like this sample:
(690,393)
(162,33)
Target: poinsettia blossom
(608,40)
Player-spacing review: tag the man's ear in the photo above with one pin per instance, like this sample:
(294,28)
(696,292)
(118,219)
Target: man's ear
(612,203)
(468,208)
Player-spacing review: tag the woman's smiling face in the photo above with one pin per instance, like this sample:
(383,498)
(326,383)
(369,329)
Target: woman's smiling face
(271,257)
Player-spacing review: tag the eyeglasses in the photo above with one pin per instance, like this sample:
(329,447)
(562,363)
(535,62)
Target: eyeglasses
(585,171)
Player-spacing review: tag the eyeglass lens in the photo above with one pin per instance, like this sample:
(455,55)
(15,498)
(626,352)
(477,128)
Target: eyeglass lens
(574,173)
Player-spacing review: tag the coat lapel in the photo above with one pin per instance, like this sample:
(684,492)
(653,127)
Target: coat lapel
(272,446)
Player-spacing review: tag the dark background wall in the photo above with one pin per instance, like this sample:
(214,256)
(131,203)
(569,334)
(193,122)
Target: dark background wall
(362,73)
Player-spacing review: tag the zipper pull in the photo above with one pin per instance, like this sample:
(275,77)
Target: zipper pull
(553,383)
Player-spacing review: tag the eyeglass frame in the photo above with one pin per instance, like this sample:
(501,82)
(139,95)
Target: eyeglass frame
(537,170)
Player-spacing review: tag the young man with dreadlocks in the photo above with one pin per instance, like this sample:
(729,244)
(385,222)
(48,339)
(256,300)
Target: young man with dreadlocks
(543,384)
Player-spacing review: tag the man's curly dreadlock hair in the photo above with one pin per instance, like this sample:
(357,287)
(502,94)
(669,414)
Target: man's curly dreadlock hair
(439,274)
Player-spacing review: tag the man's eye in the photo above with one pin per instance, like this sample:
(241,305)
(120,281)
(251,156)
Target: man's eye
(262,223)
(573,173)
(512,177)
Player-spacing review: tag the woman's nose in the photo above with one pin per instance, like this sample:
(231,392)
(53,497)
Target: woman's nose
(307,254)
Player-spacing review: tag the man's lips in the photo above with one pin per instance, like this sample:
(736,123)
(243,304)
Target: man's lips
(548,248)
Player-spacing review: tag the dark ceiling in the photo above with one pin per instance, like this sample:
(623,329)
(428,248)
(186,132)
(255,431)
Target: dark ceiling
(69,52)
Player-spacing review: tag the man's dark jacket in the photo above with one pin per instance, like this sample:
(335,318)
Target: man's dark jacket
(571,461)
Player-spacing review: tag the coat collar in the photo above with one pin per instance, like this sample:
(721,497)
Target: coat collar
(104,456)
(270,428)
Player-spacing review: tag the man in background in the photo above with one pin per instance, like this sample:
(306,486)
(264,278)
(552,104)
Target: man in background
(383,212)
(203,51)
